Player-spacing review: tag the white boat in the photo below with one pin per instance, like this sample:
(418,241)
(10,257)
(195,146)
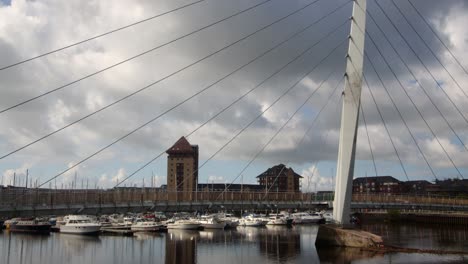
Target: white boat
(79,224)
(252,220)
(183,224)
(231,220)
(279,219)
(307,218)
(211,222)
(328,216)
(146,226)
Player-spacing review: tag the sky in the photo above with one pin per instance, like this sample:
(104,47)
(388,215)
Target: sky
(31,28)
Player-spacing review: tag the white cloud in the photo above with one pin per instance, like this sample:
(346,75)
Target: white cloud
(313,181)
(28,28)
(16,176)
(216,179)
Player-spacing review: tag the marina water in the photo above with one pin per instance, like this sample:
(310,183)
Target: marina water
(276,244)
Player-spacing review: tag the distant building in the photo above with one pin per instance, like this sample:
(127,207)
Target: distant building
(415,187)
(450,187)
(376,184)
(182,166)
(279,178)
(235,187)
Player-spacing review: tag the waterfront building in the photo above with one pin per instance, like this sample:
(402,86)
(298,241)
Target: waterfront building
(182,166)
(280,178)
(377,184)
(235,187)
(416,187)
(449,187)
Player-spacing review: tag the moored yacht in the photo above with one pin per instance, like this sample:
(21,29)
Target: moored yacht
(231,220)
(183,224)
(307,218)
(31,226)
(252,220)
(79,224)
(279,219)
(145,226)
(211,222)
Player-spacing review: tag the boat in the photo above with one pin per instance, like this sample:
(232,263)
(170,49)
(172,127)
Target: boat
(252,220)
(211,222)
(279,219)
(183,224)
(328,216)
(230,219)
(8,222)
(145,226)
(79,224)
(34,226)
(307,218)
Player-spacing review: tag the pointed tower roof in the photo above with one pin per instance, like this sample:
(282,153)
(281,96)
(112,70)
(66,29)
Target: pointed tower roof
(182,146)
(278,168)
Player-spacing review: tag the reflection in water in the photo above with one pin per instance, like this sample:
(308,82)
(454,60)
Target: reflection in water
(147,235)
(76,245)
(280,243)
(181,246)
(346,255)
(441,237)
(244,245)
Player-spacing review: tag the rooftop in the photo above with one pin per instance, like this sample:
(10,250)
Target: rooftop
(182,146)
(275,170)
(379,179)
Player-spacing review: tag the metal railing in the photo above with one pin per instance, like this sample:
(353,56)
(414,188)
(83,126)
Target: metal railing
(15,198)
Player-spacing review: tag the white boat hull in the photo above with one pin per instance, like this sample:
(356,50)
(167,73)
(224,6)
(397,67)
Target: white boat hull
(145,229)
(183,226)
(277,222)
(91,229)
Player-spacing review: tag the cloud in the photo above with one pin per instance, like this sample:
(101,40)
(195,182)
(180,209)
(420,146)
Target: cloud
(16,176)
(28,28)
(216,179)
(313,181)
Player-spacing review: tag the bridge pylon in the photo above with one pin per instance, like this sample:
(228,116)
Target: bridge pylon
(350,114)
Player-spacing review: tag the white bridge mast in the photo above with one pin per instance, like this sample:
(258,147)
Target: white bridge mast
(350,115)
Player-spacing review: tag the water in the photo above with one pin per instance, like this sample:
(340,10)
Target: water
(244,245)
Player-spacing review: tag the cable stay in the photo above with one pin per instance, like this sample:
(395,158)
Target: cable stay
(396,108)
(411,100)
(278,131)
(102,149)
(192,96)
(361,109)
(425,67)
(388,131)
(266,110)
(415,79)
(368,139)
(399,113)
(99,35)
(316,117)
(241,131)
(429,48)
(439,38)
(131,58)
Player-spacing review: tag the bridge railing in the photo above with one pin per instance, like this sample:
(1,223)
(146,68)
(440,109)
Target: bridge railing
(409,199)
(14,198)
(49,197)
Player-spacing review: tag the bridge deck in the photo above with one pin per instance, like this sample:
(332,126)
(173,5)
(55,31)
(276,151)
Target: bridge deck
(46,201)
